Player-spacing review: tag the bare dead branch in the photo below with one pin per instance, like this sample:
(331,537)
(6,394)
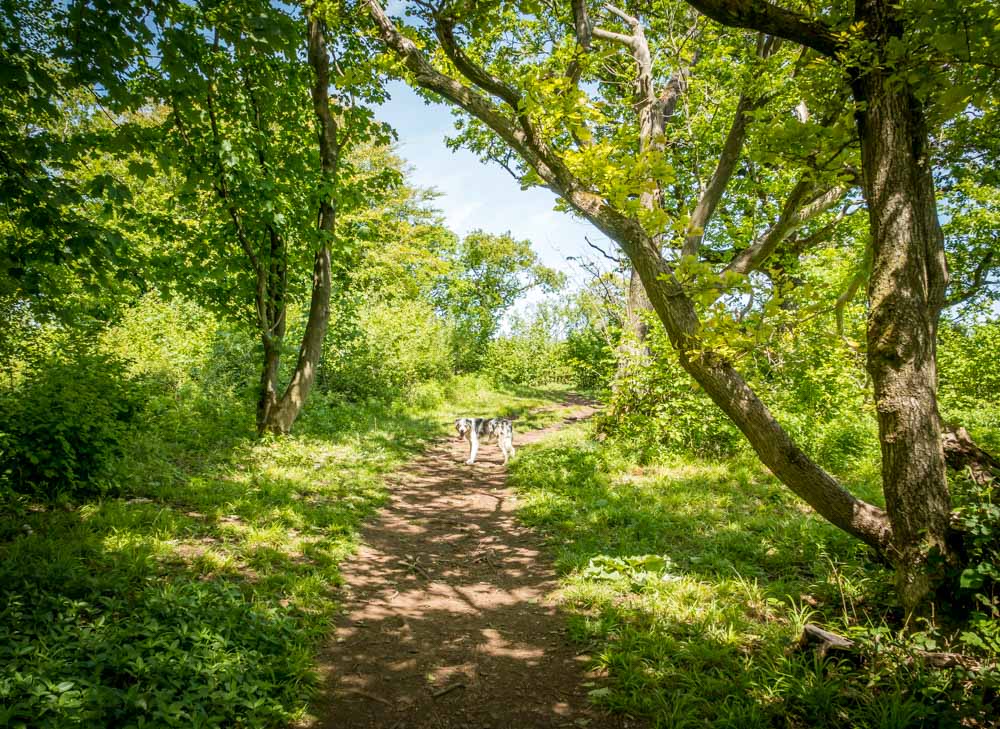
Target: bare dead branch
(614,259)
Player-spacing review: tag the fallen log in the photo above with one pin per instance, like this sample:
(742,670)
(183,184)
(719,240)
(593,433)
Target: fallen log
(824,642)
(961,452)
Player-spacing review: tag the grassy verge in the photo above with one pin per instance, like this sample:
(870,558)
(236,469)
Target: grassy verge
(198,598)
(688,582)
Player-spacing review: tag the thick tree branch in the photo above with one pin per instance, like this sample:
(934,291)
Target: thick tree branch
(466,98)
(712,194)
(581,24)
(766,17)
(673,307)
(794,214)
(961,453)
(610,35)
(444,28)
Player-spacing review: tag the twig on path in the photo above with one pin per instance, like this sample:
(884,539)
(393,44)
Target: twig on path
(494,496)
(367,695)
(448,689)
(485,555)
(411,564)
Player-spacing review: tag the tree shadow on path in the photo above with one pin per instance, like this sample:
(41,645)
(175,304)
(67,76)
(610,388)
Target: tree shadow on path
(446,622)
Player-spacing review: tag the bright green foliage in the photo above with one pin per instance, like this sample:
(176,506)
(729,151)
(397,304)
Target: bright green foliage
(978,517)
(687,581)
(238,132)
(655,408)
(527,358)
(202,594)
(968,355)
(385,350)
(970,380)
(534,353)
(63,427)
(489,273)
(59,257)
(404,249)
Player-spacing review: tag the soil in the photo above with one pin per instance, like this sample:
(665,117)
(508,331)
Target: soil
(447,621)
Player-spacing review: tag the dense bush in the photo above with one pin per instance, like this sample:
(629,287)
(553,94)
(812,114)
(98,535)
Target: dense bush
(656,407)
(978,517)
(63,427)
(813,385)
(590,358)
(970,380)
(384,350)
(184,347)
(530,357)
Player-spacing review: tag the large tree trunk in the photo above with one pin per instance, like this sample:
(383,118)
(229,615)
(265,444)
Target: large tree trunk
(281,415)
(673,307)
(905,295)
(267,397)
(727,389)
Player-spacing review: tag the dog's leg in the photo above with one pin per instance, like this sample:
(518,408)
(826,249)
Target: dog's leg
(473,446)
(507,446)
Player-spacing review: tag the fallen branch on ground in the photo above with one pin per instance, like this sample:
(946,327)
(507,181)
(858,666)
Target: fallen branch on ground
(824,641)
(447,689)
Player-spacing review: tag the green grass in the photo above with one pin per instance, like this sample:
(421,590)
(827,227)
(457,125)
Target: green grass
(688,582)
(199,597)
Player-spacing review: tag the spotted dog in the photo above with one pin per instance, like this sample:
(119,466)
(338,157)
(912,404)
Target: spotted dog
(482,429)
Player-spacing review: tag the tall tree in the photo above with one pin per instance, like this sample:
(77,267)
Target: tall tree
(249,107)
(891,81)
(488,273)
(516,72)
(254,129)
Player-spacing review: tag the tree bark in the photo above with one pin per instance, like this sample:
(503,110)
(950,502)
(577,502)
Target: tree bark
(267,397)
(961,453)
(279,416)
(906,292)
(282,414)
(907,285)
(676,311)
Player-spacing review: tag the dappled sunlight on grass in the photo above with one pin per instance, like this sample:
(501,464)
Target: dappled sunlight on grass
(199,597)
(689,581)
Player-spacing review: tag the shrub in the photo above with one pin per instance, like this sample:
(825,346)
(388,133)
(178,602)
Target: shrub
(530,358)
(590,358)
(656,406)
(977,517)
(63,427)
(182,345)
(383,350)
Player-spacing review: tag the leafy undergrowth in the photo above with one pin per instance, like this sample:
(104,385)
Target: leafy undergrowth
(200,596)
(689,581)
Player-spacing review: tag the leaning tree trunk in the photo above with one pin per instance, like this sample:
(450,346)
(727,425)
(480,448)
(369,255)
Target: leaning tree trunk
(267,398)
(672,305)
(282,414)
(905,295)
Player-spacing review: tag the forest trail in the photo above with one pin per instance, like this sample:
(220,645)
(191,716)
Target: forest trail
(446,623)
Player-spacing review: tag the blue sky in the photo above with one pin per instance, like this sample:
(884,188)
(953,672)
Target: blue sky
(475,195)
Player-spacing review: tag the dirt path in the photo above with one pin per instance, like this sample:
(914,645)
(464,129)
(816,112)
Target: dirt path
(446,623)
